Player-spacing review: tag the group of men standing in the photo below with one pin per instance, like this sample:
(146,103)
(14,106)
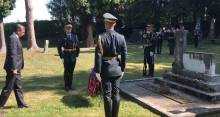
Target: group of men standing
(152,43)
(110,61)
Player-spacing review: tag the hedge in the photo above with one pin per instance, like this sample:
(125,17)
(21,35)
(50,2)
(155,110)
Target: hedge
(42,28)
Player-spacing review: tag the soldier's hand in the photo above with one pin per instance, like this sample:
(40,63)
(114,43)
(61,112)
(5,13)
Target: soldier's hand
(122,74)
(98,77)
(151,53)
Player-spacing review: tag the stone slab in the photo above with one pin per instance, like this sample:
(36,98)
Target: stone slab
(174,104)
(199,62)
(207,86)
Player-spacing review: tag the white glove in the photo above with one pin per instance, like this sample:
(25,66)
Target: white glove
(122,74)
(62,60)
(98,77)
(151,53)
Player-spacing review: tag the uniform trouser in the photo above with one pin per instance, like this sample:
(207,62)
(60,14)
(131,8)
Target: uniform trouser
(150,62)
(13,82)
(69,66)
(159,46)
(149,59)
(111,95)
(196,42)
(171,44)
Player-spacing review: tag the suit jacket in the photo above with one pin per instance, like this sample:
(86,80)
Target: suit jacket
(113,45)
(66,42)
(14,56)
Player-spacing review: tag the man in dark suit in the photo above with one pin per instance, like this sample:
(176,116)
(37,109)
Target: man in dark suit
(68,49)
(110,59)
(14,63)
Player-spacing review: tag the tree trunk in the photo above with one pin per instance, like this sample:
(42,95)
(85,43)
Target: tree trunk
(32,45)
(90,40)
(2,38)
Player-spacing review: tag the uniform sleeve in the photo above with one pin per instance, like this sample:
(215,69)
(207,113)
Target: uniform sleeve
(59,47)
(98,58)
(123,55)
(12,48)
(77,46)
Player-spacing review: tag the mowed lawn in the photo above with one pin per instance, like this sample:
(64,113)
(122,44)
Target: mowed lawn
(43,84)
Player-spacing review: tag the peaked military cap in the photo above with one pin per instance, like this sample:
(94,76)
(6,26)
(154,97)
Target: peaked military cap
(109,17)
(68,25)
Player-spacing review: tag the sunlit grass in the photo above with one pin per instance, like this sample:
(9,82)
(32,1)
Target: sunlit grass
(43,84)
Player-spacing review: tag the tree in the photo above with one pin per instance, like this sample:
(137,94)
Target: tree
(86,10)
(5,8)
(32,44)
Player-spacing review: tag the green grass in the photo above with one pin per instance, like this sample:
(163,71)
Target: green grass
(43,84)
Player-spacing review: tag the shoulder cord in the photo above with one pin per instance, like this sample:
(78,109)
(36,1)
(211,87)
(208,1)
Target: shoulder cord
(100,44)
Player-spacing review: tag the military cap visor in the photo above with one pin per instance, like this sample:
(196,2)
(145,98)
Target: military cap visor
(109,17)
(68,26)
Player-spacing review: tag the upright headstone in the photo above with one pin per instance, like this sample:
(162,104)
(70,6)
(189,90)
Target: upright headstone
(180,38)
(46,46)
(193,72)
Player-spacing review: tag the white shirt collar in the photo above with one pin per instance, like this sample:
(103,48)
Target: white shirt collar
(15,35)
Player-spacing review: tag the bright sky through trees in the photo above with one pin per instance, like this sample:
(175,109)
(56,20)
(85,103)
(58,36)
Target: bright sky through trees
(40,11)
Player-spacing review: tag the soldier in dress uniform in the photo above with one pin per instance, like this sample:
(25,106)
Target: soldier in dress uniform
(160,37)
(149,38)
(171,40)
(110,59)
(197,36)
(68,49)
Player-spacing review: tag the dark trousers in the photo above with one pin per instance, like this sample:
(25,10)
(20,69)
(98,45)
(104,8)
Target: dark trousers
(111,95)
(159,46)
(13,82)
(69,66)
(149,59)
(171,45)
(196,41)
(150,62)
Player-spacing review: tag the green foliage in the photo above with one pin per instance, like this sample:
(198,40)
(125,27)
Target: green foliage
(85,10)
(5,7)
(43,29)
(138,13)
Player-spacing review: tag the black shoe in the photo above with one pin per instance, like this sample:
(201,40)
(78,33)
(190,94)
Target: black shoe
(67,89)
(23,106)
(72,88)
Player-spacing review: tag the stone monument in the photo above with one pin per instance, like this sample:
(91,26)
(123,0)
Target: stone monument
(46,46)
(193,72)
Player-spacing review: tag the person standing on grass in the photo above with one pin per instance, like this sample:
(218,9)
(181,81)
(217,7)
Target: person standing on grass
(14,63)
(149,44)
(68,49)
(110,60)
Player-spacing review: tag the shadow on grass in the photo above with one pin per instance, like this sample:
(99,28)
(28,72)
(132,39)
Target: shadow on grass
(56,83)
(52,83)
(76,101)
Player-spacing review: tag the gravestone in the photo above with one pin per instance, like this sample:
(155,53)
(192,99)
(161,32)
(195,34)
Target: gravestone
(46,46)
(180,92)
(193,72)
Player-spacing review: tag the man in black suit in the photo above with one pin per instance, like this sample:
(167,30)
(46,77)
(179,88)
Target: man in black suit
(14,63)
(110,59)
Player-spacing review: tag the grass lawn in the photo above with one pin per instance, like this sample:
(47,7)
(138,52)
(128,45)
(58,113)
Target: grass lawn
(43,84)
